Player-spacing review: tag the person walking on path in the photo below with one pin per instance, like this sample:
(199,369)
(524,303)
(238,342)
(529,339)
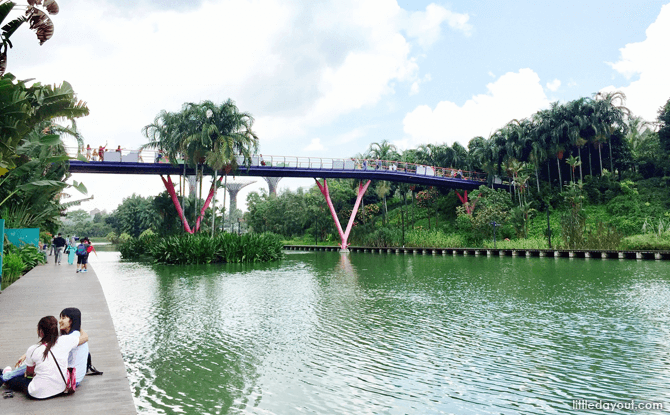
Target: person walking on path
(71,248)
(59,245)
(82,255)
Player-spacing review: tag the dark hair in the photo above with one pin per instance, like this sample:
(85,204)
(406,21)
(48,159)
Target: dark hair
(75,317)
(49,327)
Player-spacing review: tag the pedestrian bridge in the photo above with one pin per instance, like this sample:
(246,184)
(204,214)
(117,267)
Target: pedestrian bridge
(146,162)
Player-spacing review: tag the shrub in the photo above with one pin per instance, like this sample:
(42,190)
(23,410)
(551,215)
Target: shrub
(12,268)
(113,237)
(647,241)
(147,235)
(124,237)
(604,237)
(31,257)
(530,243)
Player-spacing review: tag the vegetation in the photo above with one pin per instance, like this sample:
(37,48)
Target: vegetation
(598,174)
(18,261)
(203,249)
(202,135)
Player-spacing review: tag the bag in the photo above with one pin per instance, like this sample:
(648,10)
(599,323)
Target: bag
(71,382)
(81,250)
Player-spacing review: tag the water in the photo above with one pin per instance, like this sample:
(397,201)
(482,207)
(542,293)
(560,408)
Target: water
(383,334)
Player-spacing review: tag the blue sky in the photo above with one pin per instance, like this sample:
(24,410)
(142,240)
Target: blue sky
(327,78)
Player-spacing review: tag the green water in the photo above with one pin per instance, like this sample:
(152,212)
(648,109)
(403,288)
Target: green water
(322,333)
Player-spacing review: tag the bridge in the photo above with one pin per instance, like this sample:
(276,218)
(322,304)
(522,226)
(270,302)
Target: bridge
(150,162)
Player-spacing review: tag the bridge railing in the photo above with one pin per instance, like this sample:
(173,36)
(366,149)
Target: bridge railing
(319,163)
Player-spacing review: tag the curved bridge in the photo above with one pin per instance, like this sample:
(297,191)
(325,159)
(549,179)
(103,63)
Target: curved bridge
(116,162)
(304,167)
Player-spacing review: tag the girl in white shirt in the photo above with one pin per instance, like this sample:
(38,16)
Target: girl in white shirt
(43,377)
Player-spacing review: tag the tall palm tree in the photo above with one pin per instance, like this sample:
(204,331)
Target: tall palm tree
(205,134)
(611,114)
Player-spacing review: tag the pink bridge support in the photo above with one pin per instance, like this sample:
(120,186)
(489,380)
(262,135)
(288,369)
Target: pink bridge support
(207,202)
(169,186)
(469,207)
(343,235)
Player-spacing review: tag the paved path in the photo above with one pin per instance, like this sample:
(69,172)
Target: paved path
(46,290)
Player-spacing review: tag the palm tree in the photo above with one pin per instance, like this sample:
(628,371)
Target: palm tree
(639,133)
(611,114)
(203,133)
(383,189)
(573,162)
(383,151)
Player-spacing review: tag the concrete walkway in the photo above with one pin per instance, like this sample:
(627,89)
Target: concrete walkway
(46,290)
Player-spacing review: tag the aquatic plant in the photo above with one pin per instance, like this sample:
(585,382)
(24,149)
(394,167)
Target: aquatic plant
(202,249)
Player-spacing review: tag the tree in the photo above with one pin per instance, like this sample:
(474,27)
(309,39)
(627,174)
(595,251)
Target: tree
(610,112)
(664,127)
(203,133)
(39,22)
(383,151)
(135,215)
(33,161)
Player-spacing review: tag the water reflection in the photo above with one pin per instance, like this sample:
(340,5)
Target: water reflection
(333,333)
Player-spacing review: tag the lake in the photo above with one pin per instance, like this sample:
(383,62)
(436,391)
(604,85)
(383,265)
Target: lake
(322,332)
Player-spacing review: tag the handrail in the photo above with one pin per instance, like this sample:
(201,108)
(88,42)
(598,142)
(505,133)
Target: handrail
(320,163)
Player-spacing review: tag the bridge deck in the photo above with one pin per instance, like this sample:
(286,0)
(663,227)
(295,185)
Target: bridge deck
(46,290)
(423,176)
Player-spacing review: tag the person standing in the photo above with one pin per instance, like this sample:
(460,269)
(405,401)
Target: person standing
(82,255)
(71,248)
(101,152)
(59,245)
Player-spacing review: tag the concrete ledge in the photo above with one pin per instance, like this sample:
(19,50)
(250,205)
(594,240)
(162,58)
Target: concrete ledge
(46,290)
(528,253)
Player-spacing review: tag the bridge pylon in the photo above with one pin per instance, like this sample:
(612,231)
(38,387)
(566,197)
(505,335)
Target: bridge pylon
(344,235)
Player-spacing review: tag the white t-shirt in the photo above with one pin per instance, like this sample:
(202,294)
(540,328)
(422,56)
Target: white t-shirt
(48,381)
(78,357)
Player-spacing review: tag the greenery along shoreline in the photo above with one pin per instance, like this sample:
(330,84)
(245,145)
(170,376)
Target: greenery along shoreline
(202,249)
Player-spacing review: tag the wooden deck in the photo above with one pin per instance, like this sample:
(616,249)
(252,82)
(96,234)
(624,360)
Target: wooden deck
(46,290)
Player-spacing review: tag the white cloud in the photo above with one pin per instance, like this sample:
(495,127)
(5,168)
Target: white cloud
(414,89)
(426,26)
(315,145)
(492,75)
(649,60)
(294,65)
(513,95)
(554,85)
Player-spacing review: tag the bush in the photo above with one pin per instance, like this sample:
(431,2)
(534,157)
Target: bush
(113,237)
(124,237)
(646,242)
(12,268)
(530,243)
(434,238)
(31,257)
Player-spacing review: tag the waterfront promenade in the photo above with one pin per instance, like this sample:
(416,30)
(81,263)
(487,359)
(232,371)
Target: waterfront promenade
(46,290)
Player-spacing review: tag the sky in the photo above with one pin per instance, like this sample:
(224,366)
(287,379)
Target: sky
(328,78)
